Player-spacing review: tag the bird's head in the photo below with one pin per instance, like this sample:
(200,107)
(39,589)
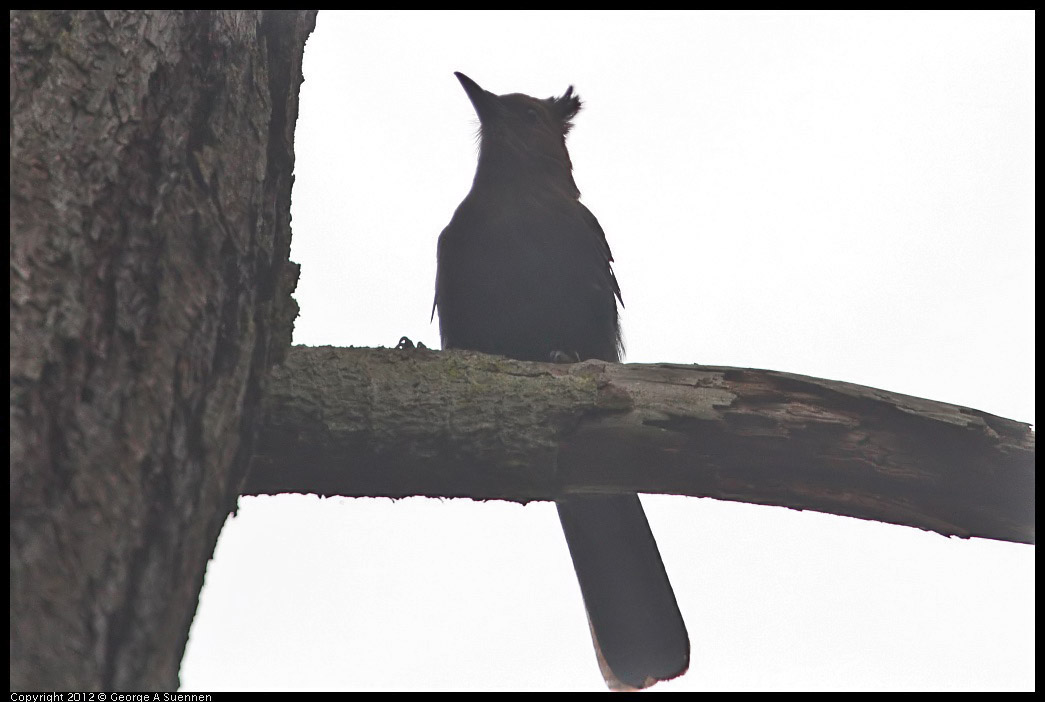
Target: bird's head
(523,136)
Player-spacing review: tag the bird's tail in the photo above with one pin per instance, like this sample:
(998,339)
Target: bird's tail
(638,631)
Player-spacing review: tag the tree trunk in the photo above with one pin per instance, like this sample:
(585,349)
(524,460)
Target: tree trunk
(151,161)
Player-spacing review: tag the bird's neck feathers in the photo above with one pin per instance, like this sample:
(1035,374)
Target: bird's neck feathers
(519,167)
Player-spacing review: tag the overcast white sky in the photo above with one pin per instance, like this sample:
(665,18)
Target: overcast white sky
(843,195)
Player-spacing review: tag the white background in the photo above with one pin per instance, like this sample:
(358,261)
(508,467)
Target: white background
(842,195)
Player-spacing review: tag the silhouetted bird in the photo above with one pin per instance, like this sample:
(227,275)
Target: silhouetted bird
(524,271)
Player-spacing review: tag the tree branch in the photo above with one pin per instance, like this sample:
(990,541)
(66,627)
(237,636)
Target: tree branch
(383,422)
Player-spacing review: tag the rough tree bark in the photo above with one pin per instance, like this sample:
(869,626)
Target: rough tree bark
(385,422)
(151,161)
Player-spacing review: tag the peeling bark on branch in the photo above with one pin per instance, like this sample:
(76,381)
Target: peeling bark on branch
(378,422)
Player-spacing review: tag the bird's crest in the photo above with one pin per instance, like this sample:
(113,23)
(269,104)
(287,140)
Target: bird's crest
(565,107)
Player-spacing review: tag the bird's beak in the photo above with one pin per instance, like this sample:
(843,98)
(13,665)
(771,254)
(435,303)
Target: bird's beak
(483,101)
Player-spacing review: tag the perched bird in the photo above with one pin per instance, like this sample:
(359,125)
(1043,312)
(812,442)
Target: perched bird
(524,271)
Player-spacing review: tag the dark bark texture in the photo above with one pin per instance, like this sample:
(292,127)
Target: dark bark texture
(151,161)
(460,424)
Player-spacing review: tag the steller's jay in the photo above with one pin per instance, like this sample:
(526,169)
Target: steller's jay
(524,271)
